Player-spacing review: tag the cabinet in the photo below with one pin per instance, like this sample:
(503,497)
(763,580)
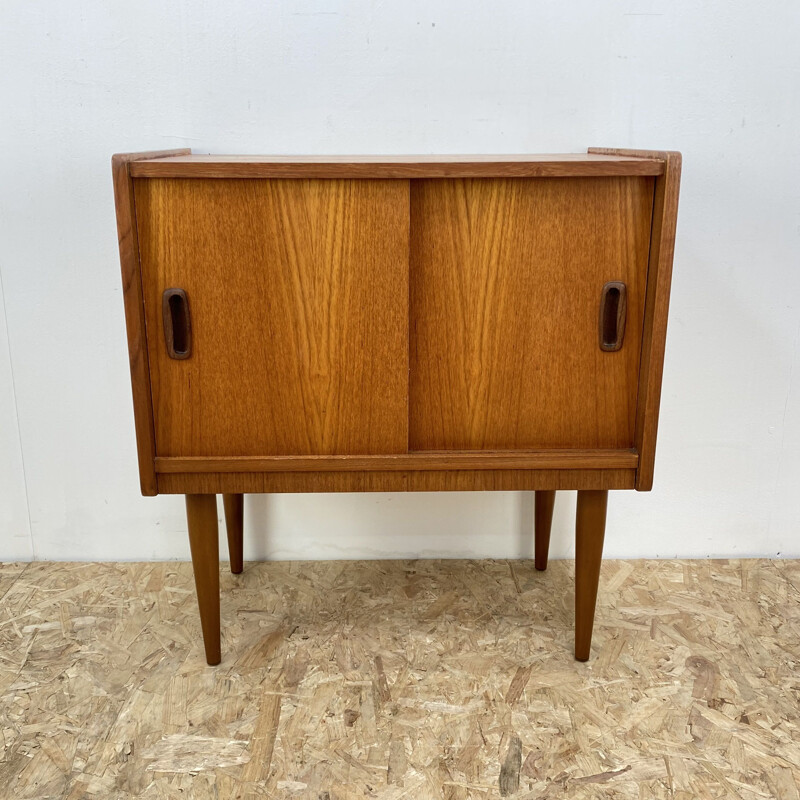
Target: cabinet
(300,324)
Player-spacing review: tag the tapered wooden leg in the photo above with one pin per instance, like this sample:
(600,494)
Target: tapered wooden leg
(543,521)
(590,528)
(234,524)
(201,512)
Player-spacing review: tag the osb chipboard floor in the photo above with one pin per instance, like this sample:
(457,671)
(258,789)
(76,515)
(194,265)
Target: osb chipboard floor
(386,679)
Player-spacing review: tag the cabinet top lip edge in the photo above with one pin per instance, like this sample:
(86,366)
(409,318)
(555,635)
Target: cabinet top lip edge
(398,166)
(389,158)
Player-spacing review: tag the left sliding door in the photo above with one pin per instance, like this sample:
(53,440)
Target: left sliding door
(287,330)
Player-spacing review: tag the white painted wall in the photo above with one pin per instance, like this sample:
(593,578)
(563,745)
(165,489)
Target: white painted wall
(718,80)
(15,533)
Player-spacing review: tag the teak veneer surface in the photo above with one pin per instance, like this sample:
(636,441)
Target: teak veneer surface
(451,480)
(472,416)
(662,246)
(461,166)
(508,459)
(128,237)
(297,293)
(506,278)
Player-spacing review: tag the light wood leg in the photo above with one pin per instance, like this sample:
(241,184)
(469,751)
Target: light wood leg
(234,524)
(590,528)
(543,520)
(201,513)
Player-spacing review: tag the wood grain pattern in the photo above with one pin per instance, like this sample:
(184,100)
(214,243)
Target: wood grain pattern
(506,279)
(539,459)
(659,281)
(134,310)
(298,291)
(590,528)
(304,219)
(453,166)
(201,515)
(454,480)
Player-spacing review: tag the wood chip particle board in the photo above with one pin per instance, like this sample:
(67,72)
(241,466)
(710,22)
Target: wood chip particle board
(382,679)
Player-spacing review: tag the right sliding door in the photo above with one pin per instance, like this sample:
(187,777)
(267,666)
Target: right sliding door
(519,292)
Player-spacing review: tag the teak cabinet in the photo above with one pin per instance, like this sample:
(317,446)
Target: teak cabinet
(396,323)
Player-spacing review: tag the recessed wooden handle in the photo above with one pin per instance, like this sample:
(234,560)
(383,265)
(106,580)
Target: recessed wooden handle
(177,323)
(613,310)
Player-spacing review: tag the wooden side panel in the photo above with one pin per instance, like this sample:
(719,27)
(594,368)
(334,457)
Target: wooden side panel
(659,282)
(298,296)
(506,281)
(134,310)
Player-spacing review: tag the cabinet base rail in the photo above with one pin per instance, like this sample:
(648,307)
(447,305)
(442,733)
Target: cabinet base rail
(428,460)
(201,512)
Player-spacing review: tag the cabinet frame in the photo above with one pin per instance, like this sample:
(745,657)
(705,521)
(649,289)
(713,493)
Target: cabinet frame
(424,471)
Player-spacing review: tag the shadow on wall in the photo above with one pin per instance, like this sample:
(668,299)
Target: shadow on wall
(400,525)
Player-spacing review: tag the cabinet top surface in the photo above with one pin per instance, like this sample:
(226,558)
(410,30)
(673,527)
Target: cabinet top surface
(395,166)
